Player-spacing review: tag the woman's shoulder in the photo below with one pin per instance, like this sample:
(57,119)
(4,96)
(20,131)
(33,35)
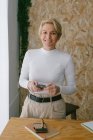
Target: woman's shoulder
(64,54)
(32,51)
(64,57)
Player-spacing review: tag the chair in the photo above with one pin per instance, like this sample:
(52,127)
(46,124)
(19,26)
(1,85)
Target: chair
(71,110)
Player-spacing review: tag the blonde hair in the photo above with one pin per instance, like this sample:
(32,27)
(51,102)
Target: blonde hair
(56,24)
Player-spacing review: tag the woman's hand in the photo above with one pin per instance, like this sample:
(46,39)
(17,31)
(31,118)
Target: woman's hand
(52,89)
(32,86)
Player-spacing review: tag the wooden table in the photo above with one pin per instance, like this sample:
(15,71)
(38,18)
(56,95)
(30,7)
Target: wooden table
(70,130)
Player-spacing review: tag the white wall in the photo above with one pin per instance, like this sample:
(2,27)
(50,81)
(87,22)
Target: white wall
(4,65)
(9,103)
(13,58)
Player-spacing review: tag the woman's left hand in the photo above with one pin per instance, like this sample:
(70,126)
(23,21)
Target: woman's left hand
(52,89)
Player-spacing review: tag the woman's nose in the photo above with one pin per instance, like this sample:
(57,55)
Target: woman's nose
(48,36)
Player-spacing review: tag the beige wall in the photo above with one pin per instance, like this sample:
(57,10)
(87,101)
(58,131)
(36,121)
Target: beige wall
(76,18)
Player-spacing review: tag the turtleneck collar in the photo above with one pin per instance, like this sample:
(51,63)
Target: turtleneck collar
(48,51)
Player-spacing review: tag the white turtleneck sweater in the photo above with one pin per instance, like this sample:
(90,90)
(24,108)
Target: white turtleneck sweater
(51,66)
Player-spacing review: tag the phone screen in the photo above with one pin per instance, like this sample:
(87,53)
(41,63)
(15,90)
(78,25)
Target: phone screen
(41,86)
(40,127)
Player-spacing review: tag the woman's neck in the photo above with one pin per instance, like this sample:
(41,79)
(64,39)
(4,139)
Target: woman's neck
(48,48)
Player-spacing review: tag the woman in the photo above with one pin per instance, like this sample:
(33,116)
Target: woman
(44,72)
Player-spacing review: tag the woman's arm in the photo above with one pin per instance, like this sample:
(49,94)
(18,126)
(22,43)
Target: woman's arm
(70,85)
(24,75)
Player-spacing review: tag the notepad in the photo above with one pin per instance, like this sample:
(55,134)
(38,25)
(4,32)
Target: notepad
(42,136)
(88,125)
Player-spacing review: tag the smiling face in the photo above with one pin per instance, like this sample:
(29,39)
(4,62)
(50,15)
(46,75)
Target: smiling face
(49,36)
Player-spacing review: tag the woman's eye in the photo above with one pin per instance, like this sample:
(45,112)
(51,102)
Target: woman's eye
(53,33)
(44,32)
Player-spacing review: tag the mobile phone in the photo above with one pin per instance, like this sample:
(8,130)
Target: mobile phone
(41,86)
(39,128)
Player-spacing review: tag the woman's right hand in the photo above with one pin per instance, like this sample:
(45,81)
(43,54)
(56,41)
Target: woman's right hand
(32,86)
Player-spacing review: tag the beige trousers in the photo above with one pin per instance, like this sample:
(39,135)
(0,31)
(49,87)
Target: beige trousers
(34,109)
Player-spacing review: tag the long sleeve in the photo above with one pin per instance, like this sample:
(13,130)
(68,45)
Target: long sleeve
(24,76)
(70,85)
